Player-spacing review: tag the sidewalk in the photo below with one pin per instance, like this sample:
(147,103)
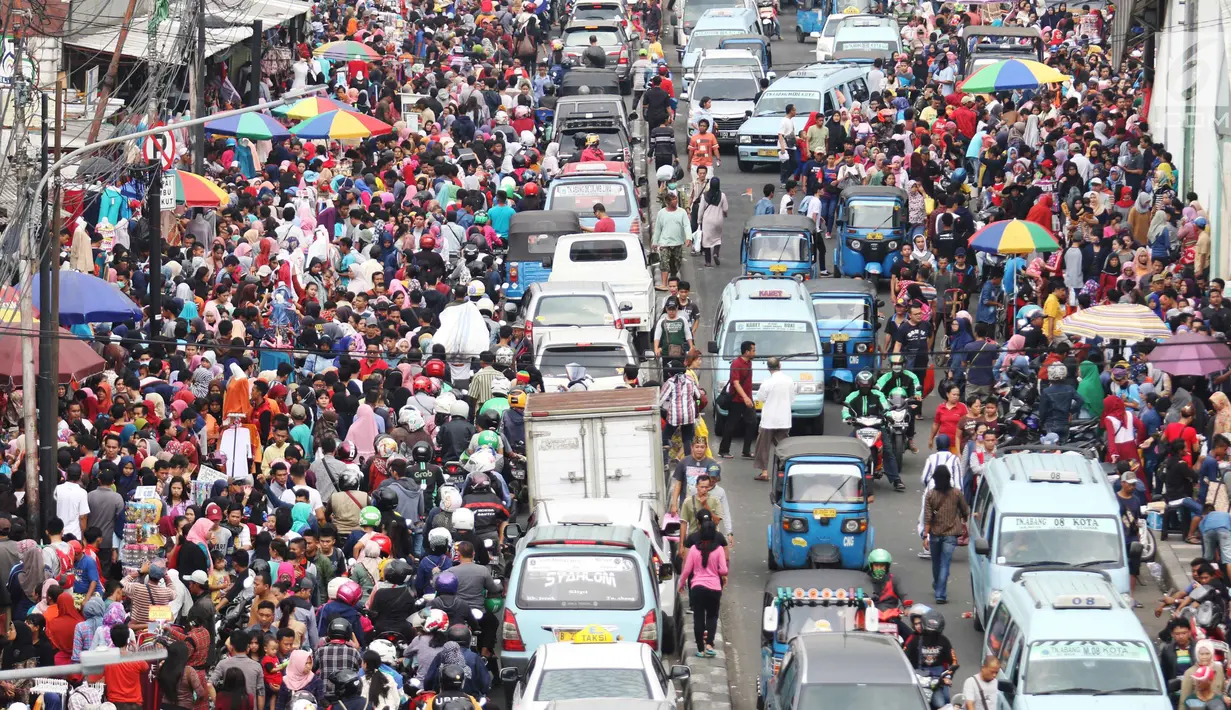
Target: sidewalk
(1174,556)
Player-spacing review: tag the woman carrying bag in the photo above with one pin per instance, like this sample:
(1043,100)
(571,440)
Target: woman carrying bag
(713,213)
(705,573)
(180,688)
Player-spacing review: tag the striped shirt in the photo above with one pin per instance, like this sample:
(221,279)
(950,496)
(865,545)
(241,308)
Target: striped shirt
(679,397)
(943,513)
(144,594)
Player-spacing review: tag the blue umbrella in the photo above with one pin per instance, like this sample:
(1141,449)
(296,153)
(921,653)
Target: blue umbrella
(85,298)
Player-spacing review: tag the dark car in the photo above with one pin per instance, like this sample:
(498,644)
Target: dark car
(616,43)
(844,670)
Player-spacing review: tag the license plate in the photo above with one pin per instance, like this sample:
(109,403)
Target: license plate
(825,513)
(768,153)
(519,473)
(727,134)
(875,237)
(565,636)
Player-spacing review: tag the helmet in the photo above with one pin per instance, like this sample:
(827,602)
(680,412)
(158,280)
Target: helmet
(489,438)
(500,388)
(434,368)
(385,499)
(475,289)
(349,592)
(397,571)
(369,517)
(439,537)
(1057,372)
(460,409)
(421,452)
(446,583)
(383,648)
(339,628)
(897,362)
(346,682)
(487,421)
(420,384)
(452,676)
(879,556)
(519,161)
(386,446)
(460,634)
(504,354)
(384,543)
(664,174)
(334,585)
(346,451)
(463,519)
(933,622)
(348,481)
(557,43)
(662,68)
(517,399)
(437,620)
(450,498)
(427,241)
(863,379)
(959,176)
(531,188)
(592,139)
(918,610)
(411,418)
(480,218)
(479,482)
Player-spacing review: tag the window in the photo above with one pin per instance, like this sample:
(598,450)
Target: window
(859,89)
(592,250)
(572,311)
(581,37)
(1006,648)
(829,103)
(998,629)
(577,683)
(580,582)
(980,511)
(661,673)
(786,681)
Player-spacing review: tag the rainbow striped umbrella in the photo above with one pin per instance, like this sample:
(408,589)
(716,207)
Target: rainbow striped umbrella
(346,51)
(311,107)
(341,125)
(192,190)
(1011,75)
(1118,321)
(255,126)
(1013,236)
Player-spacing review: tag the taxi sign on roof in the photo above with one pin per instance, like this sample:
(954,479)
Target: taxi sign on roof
(721,12)
(771,293)
(593,634)
(1046,476)
(1081,601)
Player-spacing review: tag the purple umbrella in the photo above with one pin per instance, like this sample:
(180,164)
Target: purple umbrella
(1191,354)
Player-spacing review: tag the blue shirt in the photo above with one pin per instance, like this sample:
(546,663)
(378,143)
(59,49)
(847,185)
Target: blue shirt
(500,216)
(990,293)
(1152,420)
(1215,520)
(764,206)
(86,571)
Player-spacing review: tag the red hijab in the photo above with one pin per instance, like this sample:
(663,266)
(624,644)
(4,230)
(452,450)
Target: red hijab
(60,629)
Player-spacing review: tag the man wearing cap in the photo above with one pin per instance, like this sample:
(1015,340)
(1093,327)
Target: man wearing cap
(672,336)
(153,592)
(641,69)
(202,602)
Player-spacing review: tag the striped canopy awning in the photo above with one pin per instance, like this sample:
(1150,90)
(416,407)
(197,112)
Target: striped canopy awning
(1118,321)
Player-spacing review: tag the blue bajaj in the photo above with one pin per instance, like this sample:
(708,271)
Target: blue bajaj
(846,324)
(531,244)
(819,501)
(779,245)
(871,225)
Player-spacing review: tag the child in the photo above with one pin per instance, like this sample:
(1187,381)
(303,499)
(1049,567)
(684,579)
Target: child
(218,578)
(271,668)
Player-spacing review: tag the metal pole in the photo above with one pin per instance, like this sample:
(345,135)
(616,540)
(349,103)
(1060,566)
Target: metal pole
(113,69)
(26,306)
(53,242)
(153,217)
(254,87)
(48,321)
(198,93)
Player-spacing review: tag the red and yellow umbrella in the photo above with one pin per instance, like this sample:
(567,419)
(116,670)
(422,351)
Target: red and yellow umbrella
(1013,236)
(310,107)
(192,190)
(346,51)
(341,125)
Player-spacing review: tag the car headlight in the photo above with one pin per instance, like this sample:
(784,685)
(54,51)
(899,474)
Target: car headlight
(861,347)
(795,525)
(805,388)
(891,246)
(856,245)
(993,599)
(745,139)
(854,525)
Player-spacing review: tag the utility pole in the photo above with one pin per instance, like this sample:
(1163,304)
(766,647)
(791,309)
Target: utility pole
(48,326)
(113,70)
(198,94)
(153,218)
(254,87)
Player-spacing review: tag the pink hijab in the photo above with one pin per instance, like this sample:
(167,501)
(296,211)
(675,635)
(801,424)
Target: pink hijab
(297,675)
(363,431)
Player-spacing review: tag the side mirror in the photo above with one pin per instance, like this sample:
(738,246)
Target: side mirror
(711,347)
(880,303)
(983,546)
(632,116)
(769,620)
(680,673)
(512,533)
(1006,687)
(747,114)
(665,571)
(635,140)
(508,674)
(771,75)
(625,306)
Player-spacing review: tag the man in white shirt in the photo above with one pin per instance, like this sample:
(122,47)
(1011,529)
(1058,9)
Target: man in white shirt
(777,394)
(71,504)
(787,204)
(876,77)
(981,689)
(786,145)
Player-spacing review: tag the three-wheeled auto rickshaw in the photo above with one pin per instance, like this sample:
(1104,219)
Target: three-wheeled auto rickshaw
(531,243)
(756,45)
(581,81)
(846,324)
(809,601)
(870,226)
(779,245)
(819,498)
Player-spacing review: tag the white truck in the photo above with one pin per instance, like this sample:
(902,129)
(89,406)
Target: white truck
(595,445)
(619,259)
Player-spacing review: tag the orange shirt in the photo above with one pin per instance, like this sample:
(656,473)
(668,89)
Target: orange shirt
(124,681)
(702,147)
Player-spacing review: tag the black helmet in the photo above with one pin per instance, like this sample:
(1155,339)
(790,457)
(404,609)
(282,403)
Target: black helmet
(519,161)
(459,634)
(346,683)
(452,676)
(470,252)
(579,140)
(339,629)
(396,572)
(933,622)
(385,499)
(863,379)
(488,420)
(421,452)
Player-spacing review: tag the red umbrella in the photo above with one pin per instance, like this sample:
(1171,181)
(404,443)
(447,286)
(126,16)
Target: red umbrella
(77,360)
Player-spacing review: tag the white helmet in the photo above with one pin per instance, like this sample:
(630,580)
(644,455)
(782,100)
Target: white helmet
(460,409)
(500,386)
(444,403)
(436,620)
(334,585)
(410,418)
(388,654)
(439,536)
(386,446)
(463,519)
(485,304)
(664,174)
(1057,371)
(299,704)
(504,356)
(481,461)
(450,499)
(475,289)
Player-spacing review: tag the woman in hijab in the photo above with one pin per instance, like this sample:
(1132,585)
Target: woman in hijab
(363,431)
(194,551)
(299,678)
(1090,388)
(1109,275)
(713,213)
(1013,354)
(27,578)
(1141,263)
(960,335)
(61,629)
(1140,218)
(83,636)
(22,652)
(1125,432)
(115,614)
(1041,213)
(1203,658)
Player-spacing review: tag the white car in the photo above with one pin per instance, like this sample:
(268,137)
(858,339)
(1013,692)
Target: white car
(619,260)
(604,352)
(598,667)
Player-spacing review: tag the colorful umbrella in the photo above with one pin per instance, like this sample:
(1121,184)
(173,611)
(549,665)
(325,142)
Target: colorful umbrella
(1013,236)
(1118,321)
(192,190)
(1011,75)
(341,125)
(1195,354)
(254,126)
(310,107)
(77,359)
(85,298)
(347,51)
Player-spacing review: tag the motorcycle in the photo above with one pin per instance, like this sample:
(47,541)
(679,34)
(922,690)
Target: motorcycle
(899,419)
(769,18)
(868,430)
(928,685)
(455,474)
(1207,621)
(1088,434)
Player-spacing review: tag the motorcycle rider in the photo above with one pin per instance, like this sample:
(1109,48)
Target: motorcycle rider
(475,585)
(451,695)
(454,435)
(866,401)
(899,376)
(438,559)
(348,689)
(491,515)
(513,423)
(899,413)
(477,680)
(428,475)
(931,654)
(889,594)
(391,606)
(499,401)
(1058,401)
(463,530)
(342,608)
(447,600)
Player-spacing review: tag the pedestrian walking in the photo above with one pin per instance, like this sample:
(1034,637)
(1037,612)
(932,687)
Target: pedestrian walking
(981,690)
(944,520)
(705,573)
(671,233)
(679,398)
(713,213)
(741,412)
(776,395)
(788,150)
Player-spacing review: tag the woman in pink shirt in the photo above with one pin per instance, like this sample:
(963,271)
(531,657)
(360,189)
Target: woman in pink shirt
(705,572)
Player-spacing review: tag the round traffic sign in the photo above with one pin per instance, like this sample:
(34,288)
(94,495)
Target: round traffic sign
(161,149)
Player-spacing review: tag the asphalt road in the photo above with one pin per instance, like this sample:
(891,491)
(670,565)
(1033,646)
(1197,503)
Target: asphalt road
(894,515)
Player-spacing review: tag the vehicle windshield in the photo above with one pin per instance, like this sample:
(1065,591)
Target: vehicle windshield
(610,142)
(588,683)
(774,103)
(580,197)
(599,360)
(693,9)
(902,696)
(749,61)
(602,12)
(860,6)
(824,483)
(778,247)
(1090,668)
(575,310)
(773,338)
(540,244)
(853,312)
(567,581)
(1060,540)
(707,39)
(727,89)
(872,215)
(802,619)
(581,37)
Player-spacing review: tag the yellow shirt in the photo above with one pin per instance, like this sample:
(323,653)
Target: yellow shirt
(1054,311)
(273,454)
(655,50)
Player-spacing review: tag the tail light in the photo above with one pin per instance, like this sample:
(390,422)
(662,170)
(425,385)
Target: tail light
(649,630)
(635,226)
(512,635)
(623,56)
(632,321)
(513,273)
(618,324)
